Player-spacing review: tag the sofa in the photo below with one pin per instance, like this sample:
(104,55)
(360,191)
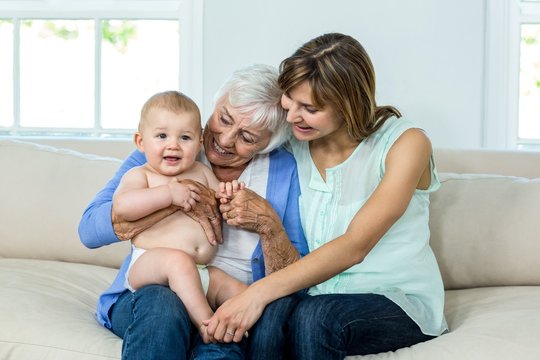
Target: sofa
(485,232)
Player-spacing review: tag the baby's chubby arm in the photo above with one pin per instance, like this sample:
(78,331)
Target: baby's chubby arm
(134,199)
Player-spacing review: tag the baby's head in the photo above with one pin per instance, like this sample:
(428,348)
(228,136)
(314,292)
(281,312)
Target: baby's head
(172,101)
(170,132)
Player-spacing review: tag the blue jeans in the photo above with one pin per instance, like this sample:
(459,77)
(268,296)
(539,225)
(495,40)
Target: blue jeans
(334,326)
(268,338)
(155,325)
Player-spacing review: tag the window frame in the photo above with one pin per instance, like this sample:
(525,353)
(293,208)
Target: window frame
(502,66)
(188,13)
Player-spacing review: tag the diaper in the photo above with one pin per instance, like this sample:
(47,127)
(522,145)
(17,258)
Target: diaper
(137,252)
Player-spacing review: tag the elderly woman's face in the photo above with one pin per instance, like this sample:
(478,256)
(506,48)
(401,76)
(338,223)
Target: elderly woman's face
(230,140)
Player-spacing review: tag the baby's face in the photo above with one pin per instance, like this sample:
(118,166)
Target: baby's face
(170,140)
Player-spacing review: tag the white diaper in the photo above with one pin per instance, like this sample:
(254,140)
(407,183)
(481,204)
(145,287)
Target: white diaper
(137,252)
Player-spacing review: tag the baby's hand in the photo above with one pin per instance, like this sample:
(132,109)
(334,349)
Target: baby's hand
(228,189)
(183,196)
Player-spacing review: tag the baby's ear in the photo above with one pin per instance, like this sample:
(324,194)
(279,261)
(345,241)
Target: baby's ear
(201,142)
(138,140)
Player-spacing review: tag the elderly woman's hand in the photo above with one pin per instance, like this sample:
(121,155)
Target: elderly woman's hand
(205,211)
(248,210)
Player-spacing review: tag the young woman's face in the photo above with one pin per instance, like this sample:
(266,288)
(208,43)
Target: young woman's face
(307,121)
(230,140)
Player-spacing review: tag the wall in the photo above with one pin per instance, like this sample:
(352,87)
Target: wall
(428,54)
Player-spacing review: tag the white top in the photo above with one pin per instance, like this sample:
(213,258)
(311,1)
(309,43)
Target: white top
(234,255)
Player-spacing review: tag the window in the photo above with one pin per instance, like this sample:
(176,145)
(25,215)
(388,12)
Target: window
(512,101)
(529,76)
(84,68)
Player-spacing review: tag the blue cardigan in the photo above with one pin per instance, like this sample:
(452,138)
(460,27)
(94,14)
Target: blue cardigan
(282,192)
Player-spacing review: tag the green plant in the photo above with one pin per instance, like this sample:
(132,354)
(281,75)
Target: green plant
(118,33)
(62,32)
(529,40)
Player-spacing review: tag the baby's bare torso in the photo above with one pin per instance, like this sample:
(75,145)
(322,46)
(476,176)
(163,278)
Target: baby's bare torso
(178,231)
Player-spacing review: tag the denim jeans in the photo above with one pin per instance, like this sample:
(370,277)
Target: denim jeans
(334,326)
(154,324)
(268,338)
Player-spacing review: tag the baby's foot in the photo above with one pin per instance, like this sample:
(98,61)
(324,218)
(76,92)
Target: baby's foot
(204,334)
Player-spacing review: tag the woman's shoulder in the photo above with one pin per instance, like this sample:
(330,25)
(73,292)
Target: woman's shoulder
(395,125)
(389,132)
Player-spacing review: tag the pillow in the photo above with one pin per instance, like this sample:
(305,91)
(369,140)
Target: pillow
(44,191)
(485,230)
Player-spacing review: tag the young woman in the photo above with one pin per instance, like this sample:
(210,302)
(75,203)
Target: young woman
(365,178)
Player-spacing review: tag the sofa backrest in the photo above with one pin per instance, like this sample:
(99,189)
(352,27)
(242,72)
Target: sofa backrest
(484,227)
(523,163)
(43,193)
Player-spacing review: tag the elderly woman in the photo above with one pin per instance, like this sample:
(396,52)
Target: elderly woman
(242,141)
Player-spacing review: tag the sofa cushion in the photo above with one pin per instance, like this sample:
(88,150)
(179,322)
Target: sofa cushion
(47,311)
(485,230)
(44,191)
(485,324)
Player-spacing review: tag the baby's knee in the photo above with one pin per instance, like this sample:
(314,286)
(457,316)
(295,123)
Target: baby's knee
(179,260)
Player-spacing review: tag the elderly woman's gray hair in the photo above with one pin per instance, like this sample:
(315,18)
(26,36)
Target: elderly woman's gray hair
(254,91)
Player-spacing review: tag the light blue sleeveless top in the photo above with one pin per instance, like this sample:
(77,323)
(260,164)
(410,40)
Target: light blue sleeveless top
(401,266)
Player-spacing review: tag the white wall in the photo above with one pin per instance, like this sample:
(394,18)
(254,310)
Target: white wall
(428,54)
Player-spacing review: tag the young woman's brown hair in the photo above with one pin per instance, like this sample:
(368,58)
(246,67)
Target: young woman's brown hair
(341,74)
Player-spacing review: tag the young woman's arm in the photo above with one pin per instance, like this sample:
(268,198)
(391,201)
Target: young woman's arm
(406,163)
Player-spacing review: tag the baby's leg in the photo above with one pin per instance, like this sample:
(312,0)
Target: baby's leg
(176,269)
(222,287)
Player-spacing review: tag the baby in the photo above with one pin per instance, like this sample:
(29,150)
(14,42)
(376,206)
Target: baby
(174,252)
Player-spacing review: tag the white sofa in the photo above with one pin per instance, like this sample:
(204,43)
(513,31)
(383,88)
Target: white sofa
(485,233)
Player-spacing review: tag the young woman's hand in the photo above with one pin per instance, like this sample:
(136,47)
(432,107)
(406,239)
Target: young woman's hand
(235,317)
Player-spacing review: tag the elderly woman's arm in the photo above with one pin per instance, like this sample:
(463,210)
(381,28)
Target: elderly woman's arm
(205,212)
(100,225)
(96,225)
(250,211)
(276,219)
